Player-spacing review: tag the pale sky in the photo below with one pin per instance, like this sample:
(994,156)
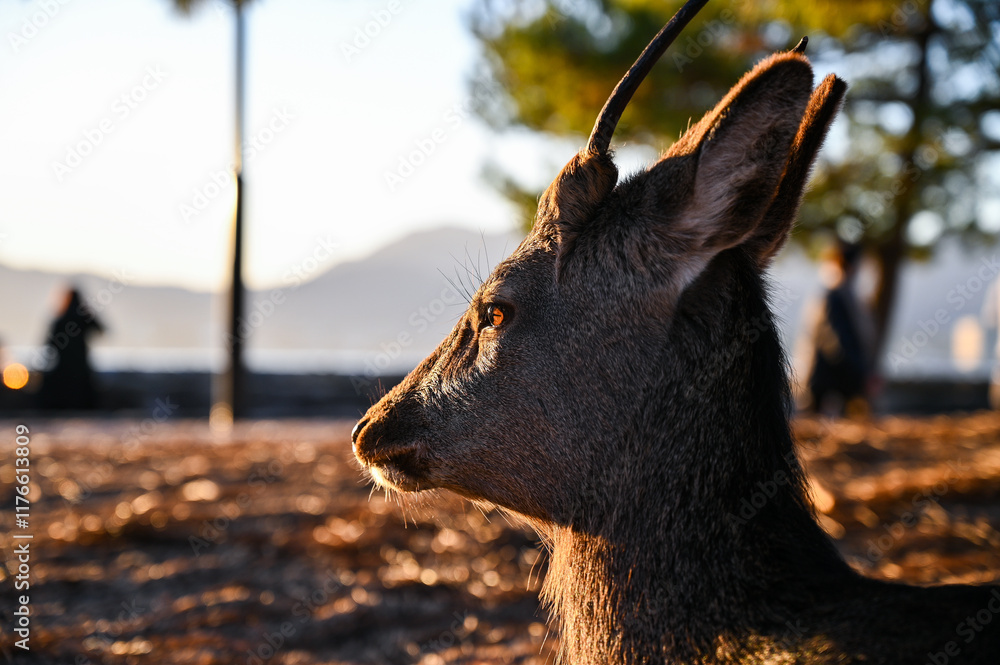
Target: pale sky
(116,130)
(116,135)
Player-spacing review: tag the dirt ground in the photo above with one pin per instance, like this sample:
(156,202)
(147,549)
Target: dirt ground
(168,543)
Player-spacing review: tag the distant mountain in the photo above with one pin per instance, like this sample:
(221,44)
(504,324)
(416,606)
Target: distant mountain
(396,303)
(134,315)
(388,310)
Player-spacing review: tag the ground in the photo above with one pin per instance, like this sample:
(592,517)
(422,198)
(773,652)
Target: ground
(168,543)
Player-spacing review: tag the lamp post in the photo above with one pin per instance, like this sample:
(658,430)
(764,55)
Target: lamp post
(230,399)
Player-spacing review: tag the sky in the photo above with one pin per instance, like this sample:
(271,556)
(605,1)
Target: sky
(116,135)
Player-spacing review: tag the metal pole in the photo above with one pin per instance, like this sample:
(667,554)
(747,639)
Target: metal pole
(232,399)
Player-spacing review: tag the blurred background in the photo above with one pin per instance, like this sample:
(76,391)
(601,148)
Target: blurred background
(390,154)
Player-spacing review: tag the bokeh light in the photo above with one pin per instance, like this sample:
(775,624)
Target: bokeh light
(15,376)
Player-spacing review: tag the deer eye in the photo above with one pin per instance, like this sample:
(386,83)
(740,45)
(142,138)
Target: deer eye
(495,315)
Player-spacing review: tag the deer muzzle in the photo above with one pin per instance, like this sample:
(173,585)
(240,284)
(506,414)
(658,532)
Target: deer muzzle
(391,450)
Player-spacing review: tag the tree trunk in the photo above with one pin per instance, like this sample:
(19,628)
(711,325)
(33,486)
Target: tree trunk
(891,253)
(889,256)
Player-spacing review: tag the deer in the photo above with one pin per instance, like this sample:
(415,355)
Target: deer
(618,384)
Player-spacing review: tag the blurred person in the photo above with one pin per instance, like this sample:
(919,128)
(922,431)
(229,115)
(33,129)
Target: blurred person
(68,381)
(990,315)
(842,377)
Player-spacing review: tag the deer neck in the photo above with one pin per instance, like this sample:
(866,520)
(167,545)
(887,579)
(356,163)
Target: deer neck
(706,535)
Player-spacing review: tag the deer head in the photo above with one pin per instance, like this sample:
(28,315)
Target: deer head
(550,376)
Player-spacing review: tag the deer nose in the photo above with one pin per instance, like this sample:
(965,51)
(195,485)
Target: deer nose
(356,431)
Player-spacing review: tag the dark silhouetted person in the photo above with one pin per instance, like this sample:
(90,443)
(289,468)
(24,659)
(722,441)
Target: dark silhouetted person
(68,381)
(842,375)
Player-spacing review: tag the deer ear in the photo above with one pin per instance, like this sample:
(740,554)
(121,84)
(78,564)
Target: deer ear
(739,152)
(573,198)
(770,236)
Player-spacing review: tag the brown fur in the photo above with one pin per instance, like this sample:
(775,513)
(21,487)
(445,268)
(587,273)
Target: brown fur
(635,394)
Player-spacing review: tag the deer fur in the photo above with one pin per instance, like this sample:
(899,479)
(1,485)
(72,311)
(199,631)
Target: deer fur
(636,392)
